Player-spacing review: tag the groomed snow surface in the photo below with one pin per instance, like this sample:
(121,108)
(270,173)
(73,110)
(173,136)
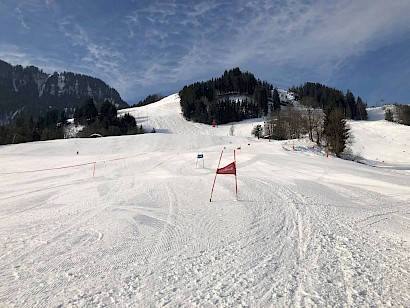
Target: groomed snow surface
(131,225)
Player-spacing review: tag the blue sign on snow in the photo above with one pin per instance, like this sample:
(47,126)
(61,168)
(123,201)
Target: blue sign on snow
(200,156)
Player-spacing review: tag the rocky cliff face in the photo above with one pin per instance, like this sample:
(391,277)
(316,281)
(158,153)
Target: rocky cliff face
(30,91)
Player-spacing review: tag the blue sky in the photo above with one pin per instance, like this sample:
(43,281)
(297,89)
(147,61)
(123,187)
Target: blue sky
(145,47)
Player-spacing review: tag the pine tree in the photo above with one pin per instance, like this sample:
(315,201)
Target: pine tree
(350,105)
(361,110)
(90,112)
(87,113)
(276,100)
(108,112)
(257,131)
(336,130)
(127,123)
(63,118)
(51,118)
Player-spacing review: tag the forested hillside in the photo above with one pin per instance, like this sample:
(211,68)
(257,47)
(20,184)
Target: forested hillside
(54,124)
(29,91)
(326,98)
(234,96)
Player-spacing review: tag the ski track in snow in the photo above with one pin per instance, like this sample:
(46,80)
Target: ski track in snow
(306,231)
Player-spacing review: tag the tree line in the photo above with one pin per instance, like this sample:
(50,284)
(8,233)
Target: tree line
(322,116)
(152,98)
(318,95)
(324,128)
(104,122)
(52,124)
(46,127)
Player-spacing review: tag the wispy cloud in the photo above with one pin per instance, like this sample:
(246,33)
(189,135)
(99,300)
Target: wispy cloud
(131,21)
(97,58)
(20,17)
(13,55)
(318,35)
(315,35)
(155,44)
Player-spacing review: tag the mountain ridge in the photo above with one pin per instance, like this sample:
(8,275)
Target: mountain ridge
(30,91)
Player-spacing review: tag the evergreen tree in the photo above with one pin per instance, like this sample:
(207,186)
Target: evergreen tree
(63,118)
(87,113)
(152,98)
(90,112)
(78,114)
(361,110)
(127,123)
(21,132)
(6,134)
(350,107)
(336,130)
(36,136)
(264,101)
(276,100)
(108,114)
(309,101)
(257,131)
(51,118)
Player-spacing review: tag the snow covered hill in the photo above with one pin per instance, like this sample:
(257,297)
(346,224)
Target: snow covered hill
(127,221)
(381,143)
(166,117)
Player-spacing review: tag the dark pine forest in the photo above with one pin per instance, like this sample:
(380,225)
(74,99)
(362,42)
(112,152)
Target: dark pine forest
(237,95)
(234,96)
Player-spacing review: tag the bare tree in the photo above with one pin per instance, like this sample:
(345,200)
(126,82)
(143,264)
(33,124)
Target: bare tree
(318,124)
(295,120)
(281,126)
(314,119)
(388,115)
(269,125)
(403,114)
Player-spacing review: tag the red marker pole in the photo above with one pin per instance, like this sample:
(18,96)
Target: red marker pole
(213,185)
(236,182)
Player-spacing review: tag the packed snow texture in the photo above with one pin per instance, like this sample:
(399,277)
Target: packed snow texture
(128,222)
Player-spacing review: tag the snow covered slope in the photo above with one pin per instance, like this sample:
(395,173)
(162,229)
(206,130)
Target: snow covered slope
(166,117)
(381,143)
(128,223)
